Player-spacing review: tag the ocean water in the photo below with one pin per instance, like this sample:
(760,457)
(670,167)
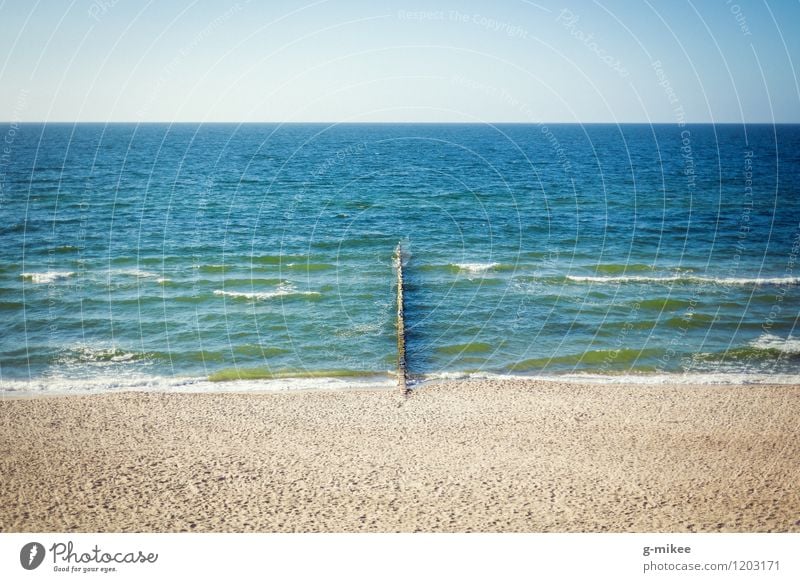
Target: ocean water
(188,256)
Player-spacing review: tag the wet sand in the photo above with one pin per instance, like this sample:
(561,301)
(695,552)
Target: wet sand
(484,455)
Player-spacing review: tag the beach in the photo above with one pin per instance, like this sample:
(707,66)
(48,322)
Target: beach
(488,455)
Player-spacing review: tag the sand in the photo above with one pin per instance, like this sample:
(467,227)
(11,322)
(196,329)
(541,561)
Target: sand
(459,456)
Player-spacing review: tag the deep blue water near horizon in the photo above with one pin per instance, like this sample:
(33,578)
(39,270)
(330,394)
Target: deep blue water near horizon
(152,252)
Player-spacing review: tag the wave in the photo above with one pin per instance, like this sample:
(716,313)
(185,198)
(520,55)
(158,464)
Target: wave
(47,276)
(84,354)
(284,290)
(788,345)
(229,374)
(475,267)
(169,384)
(608,279)
(639,378)
(689,378)
(766,349)
(238,381)
(469,268)
(286,262)
(133,273)
(770,345)
(683,278)
(76,357)
(595,357)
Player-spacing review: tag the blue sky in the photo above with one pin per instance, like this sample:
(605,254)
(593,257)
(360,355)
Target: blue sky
(416,60)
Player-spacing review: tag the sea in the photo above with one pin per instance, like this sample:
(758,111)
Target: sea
(198,256)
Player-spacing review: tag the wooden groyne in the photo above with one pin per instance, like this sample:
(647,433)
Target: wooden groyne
(401,323)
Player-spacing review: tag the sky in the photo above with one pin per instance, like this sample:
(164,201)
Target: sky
(657,61)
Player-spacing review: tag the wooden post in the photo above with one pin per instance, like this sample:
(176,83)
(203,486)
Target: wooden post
(401,325)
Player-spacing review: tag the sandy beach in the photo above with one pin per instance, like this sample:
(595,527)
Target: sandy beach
(488,455)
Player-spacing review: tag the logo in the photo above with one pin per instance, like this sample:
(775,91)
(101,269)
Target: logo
(31,555)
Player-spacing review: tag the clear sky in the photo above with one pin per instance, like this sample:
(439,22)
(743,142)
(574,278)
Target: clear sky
(400,60)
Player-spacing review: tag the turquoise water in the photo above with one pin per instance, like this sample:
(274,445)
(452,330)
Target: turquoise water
(163,254)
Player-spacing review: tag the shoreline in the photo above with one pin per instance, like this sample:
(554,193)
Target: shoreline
(359,382)
(488,455)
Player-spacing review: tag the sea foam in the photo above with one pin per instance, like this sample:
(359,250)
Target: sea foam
(283,290)
(789,345)
(475,268)
(755,281)
(107,383)
(47,276)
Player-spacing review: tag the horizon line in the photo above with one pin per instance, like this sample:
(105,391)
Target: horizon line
(268,122)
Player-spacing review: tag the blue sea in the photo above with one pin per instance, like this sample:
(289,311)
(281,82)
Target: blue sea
(259,256)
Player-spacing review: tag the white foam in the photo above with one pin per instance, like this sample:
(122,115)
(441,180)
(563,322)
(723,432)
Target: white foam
(283,290)
(624,279)
(105,384)
(760,281)
(475,267)
(688,278)
(47,276)
(93,354)
(77,357)
(788,345)
(691,378)
(133,273)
